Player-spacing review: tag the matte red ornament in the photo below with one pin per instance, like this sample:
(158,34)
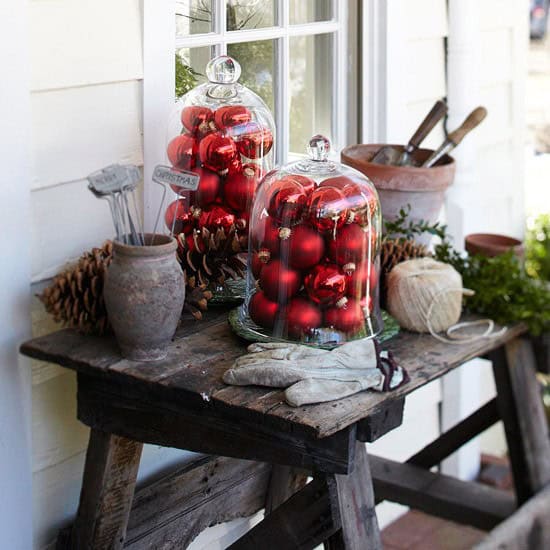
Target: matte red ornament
(178,217)
(217,152)
(195,117)
(287,200)
(356,280)
(266,235)
(279,282)
(209,189)
(325,284)
(349,317)
(216,217)
(262,310)
(303,248)
(253,140)
(327,209)
(231,115)
(259,259)
(182,152)
(240,187)
(351,245)
(302,317)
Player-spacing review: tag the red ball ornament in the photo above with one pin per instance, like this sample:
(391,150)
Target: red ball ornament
(362,204)
(301,246)
(217,152)
(182,152)
(266,235)
(240,187)
(340,182)
(253,140)
(215,218)
(325,284)
(209,187)
(287,200)
(231,115)
(178,217)
(347,317)
(351,245)
(307,183)
(356,280)
(279,282)
(327,209)
(262,310)
(258,260)
(196,119)
(302,317)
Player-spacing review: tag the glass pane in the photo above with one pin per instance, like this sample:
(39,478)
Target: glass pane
(193,17)
(250,14)
(310,86)
(309,11)
(257,63)
(190,64)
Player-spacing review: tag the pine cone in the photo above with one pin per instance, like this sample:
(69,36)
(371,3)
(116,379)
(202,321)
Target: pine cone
(75,297)
(393,252)
(211,258)
(196,298)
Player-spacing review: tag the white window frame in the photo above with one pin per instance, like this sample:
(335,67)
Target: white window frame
(160,44)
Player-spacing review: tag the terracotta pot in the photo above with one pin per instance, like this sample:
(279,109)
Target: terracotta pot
(144,294)
(397,186)
(489,244)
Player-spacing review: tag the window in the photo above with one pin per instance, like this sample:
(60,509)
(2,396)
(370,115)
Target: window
(293,54)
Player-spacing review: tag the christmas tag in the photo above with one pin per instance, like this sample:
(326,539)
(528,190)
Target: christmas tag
(180,179)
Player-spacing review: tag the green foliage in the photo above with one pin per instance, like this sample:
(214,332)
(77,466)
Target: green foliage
(186,77)
(537,258)
(403,227)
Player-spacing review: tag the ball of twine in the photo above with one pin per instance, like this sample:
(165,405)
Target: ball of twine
(424,295)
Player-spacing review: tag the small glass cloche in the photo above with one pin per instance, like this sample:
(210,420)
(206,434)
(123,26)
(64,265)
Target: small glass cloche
(224,133)
(314,251)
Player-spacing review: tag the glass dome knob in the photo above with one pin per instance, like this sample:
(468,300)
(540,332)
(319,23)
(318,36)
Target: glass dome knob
(319,148)
(223,70)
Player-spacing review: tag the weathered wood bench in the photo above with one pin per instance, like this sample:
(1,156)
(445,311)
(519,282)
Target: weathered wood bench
(182,402)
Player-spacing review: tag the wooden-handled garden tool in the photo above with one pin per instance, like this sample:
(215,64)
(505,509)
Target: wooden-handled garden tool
(403,157)
(455,137)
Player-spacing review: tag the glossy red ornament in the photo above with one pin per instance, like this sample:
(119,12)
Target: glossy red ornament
(182,152)
(216,217)
(259,259)
(302,317)
(287,200)
(196,119)
(307,183)
(262,310)
(325,284)
(362,203)
(327,209)
(231,115)
(340,182)
(209,189)
(348,317)
(253,140)
(356,280)
(266,235)
(351,245)
(239,187)
(217,152)
(279,282)
(179,218)
(302,246)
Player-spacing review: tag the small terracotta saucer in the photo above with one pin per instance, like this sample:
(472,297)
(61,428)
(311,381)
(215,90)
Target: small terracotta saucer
(489,244)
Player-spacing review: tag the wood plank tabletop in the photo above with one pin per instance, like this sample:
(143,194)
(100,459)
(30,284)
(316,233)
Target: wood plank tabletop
(191,374)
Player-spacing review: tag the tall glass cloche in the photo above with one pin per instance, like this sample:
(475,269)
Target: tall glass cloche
(224,133)
(314,261)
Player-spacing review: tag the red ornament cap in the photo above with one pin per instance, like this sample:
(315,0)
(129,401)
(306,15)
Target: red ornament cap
(217,152)
(325,284)
(182,152)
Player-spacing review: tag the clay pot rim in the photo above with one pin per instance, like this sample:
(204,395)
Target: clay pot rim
(491,243)
(164,244)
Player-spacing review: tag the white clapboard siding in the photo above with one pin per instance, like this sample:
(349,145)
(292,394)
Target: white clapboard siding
(83,42)
(79,130)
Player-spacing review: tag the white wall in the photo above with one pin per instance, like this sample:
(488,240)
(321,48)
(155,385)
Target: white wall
(15,480)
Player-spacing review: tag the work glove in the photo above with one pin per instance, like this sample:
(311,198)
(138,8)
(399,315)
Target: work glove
(313,375)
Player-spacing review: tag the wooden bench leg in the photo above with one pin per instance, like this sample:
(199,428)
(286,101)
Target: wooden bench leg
(284,482)
(352,498)
(110,473)
(520,407)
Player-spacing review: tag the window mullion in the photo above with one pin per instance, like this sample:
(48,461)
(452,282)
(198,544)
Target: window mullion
(220,25)
(340,80)
(282,101)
